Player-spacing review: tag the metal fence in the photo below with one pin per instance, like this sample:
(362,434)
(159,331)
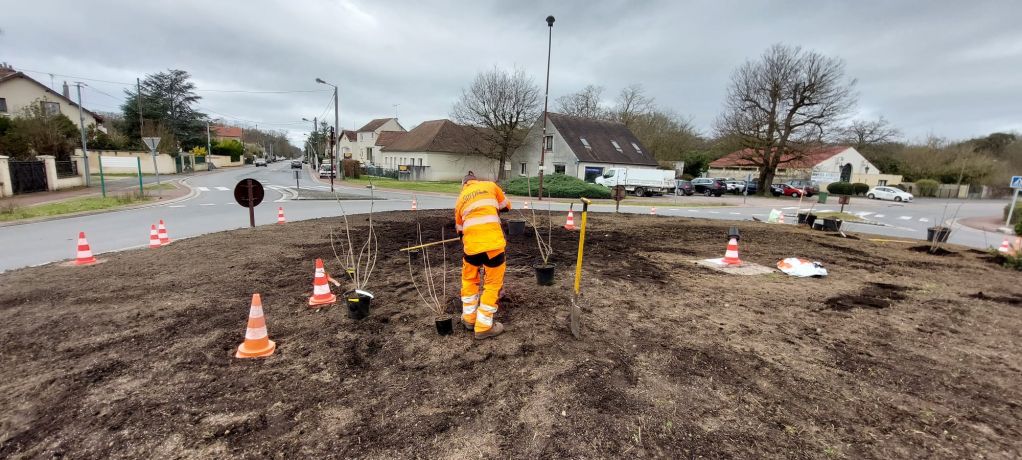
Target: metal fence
(379,172)
(66,169)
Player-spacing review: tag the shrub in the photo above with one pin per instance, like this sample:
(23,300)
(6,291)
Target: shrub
(557,186)
(1018,226)
(927,187)
(1016,217)
(840,188)
(859,188)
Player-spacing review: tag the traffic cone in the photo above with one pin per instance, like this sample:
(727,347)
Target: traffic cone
(570,225)
(154,238)
(414,207)
(780,218)
(164,238)
(257,342)
(321,294)
(1005,247)
(280,216)
(84,256)
(526,206)
(731,255)
(652,211)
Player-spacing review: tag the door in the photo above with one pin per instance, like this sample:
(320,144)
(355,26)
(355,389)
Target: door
(28,176)
(592,172)
(846,172)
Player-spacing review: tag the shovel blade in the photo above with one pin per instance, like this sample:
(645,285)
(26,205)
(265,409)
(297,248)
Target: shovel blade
(575,320)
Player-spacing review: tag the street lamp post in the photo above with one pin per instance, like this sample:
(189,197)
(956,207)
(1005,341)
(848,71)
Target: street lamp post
(315,129)
(546,97)
(333,137)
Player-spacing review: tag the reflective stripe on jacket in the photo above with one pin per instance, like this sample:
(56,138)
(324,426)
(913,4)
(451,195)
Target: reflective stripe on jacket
(476,216)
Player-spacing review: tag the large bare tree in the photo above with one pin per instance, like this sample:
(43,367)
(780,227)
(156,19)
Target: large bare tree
(784,104)
(584,104)
(631,104)
(866,133)
(502,105)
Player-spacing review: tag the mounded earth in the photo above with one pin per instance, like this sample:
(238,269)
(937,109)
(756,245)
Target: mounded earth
(897,354)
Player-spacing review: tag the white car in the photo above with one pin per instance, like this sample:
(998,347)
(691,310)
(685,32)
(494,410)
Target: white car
(888,193)
(735,186)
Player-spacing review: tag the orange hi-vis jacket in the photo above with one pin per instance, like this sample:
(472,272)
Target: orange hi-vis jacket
(476,216)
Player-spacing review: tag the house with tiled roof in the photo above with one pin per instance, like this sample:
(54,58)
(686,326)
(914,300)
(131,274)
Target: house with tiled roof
(364,143)
(580,147)
(18,91)
(223,132)
(438,150)
(826,164)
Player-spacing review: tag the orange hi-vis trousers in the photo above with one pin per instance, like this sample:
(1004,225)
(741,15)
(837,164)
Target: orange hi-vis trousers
(476,310)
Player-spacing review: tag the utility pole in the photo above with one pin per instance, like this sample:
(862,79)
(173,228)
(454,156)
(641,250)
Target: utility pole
(138,93)
(333,136)
(546,97)
(209,148)
(336,136)
(81,124)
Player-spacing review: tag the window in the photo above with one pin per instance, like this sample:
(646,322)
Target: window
(50,108)
(524,169)
(549,144)
(3,105)
(585,143)
(636,146)
(420,161)
(558,168)
(617,147)
(369,154)
(881,182)
(592,172)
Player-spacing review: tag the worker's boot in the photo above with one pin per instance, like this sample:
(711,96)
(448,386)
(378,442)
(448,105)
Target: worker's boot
(494,331)
(469,326)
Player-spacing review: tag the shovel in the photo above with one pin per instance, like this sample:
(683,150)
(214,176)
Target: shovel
(575,315)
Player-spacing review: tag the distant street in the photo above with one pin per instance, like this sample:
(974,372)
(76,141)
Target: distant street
(211,208)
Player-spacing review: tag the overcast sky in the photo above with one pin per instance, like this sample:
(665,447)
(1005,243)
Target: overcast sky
(950,68)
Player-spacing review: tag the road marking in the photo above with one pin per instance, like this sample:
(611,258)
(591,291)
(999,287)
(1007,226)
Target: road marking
(177,206)
(923,219)
(222,189)
(692,210)
(713,212)
(905,217)
(791,207)
(203,189)
(879,215)
(735,213)
(863,213)
(207,204)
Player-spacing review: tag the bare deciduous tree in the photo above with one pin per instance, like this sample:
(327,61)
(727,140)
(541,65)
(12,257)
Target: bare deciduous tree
(584,104)
(666,135)
(502,105)
(632,103)
(784,104)
(865,133)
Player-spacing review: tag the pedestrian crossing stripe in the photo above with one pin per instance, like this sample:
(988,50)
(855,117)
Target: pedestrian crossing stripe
(203,189)
(222,189)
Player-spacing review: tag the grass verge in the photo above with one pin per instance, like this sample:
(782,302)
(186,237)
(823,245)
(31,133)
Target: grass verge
(386,182)
(161,186)
(11,213)
(839,215)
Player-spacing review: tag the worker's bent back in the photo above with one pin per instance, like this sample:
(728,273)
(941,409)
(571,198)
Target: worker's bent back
(476,216)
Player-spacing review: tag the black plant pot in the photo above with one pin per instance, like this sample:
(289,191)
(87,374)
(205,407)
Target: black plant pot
(832,225)
(545,274)
(802,218)
(444,326)
(358,304)
(515,227)
(810,220)
(938,233)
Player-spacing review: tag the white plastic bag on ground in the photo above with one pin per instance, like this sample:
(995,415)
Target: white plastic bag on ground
(775,215)
(801,267)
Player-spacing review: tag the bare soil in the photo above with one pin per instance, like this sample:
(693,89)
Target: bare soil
(896,354)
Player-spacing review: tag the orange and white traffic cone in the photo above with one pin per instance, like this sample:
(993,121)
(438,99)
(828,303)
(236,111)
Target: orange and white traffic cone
(414,206)
(257,342)
(780,218)
(280,216)
(1005,247)
(154,238)
(652,211)
(731,255)
(84,256)
(321,294)
(526,206)
(162,233)
(570,225)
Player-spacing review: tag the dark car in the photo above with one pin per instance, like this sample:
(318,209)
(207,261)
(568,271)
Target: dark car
(786,190)
(751,187)
(708,187)
(683,187)
(809,187)
(296,164)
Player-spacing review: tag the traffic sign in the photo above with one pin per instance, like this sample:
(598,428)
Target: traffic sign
(242,195)
(151,142)
(1016,181)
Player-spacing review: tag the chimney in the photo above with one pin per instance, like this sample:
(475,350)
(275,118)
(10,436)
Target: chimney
(67,91)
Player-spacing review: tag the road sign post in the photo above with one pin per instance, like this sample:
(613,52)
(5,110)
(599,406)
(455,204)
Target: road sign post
(1016,183)
(152,143)
(249,193)
(298,187)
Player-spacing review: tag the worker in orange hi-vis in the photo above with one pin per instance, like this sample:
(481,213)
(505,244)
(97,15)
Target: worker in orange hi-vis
(483,239)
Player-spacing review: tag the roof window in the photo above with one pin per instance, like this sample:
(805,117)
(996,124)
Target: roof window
(585,143)
(616,146)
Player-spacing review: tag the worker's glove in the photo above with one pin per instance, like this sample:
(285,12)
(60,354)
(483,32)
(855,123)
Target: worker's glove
(461,235)
(504,210)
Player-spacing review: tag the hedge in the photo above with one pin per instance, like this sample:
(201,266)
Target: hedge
(840,188)
(1016,217)
(859,188)
(557,186)
(927,187)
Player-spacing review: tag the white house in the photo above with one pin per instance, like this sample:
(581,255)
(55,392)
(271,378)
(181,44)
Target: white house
(437,150)
(824,165)
(18,91)
(364,143)
(581,148)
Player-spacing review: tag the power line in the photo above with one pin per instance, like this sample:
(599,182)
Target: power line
(284,91)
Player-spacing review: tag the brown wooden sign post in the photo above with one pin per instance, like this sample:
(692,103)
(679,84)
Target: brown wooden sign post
(249,193)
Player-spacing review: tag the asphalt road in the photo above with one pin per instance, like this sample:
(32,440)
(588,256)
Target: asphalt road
(211,208)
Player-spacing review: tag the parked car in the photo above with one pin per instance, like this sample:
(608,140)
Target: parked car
(888,193)
(260,162)
(708,186)
(683,187)
(296,164)
(786,190)
(735,186)
(326,170)
(809,187)
(751,187)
